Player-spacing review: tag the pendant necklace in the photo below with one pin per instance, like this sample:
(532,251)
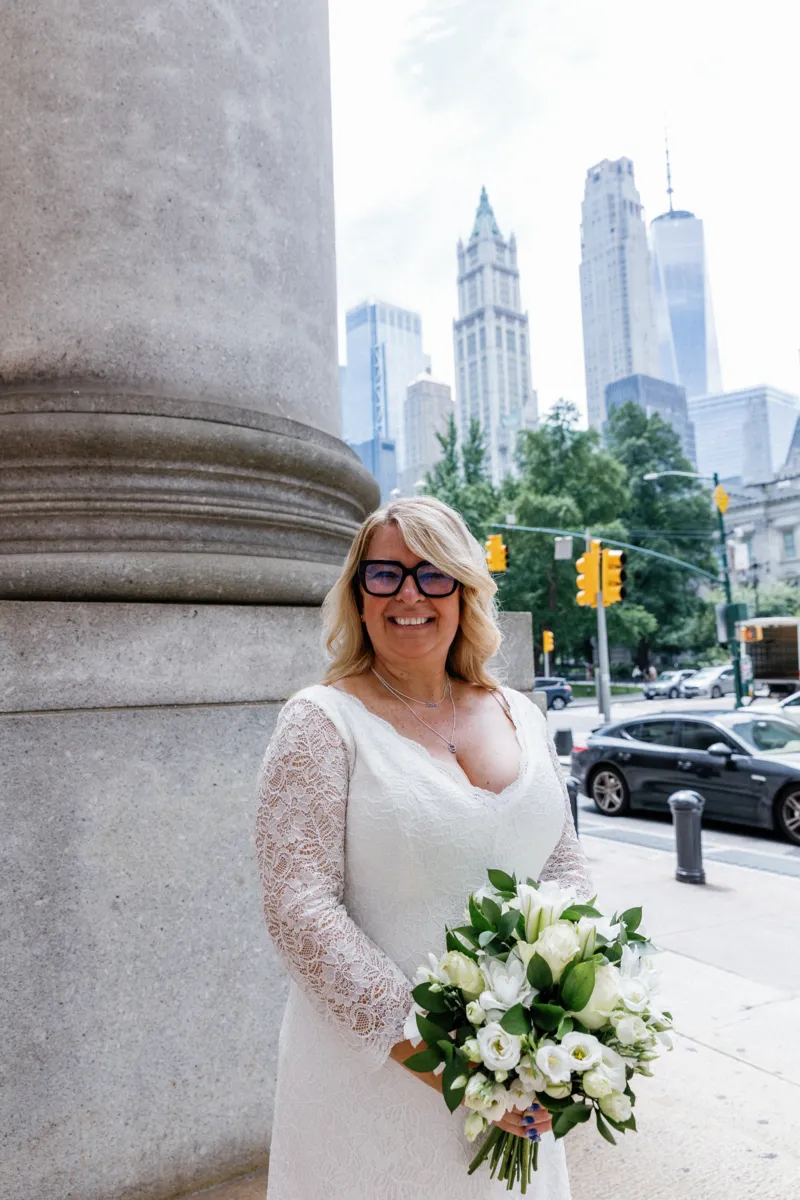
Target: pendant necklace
(427,703)
(451,744)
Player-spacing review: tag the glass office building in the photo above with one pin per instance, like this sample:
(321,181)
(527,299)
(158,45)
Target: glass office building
(744,436)
(668,400)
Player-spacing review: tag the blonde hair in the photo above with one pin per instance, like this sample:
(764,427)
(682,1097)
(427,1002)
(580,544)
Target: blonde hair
(438,535)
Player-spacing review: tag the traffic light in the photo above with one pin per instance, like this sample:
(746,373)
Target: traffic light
(752,633)
(548,644)
(588,580)
(496,553)
(614,576)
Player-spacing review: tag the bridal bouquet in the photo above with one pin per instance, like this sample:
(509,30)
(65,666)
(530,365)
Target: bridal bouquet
(538,999)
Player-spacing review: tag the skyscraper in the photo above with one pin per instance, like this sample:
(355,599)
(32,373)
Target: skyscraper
(384,353)
(429,407)
(656,396)
(619,331)
(491,342)
(687,336)
(744,435)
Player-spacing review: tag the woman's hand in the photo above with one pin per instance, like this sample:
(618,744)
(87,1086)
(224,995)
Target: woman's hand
(533,1120)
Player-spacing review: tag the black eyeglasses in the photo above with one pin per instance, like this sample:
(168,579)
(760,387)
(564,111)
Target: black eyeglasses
(380,577)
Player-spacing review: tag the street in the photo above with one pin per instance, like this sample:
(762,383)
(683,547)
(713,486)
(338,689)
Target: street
(755,848)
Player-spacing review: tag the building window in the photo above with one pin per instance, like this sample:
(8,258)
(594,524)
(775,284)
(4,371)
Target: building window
(523,347)
(485,378)
(505,293)
(417,326)
(482,337)
(460,349)
(511,341)
(788,544)
(391,316)
(472,296)
(473,383)
(498,337)
(471,348)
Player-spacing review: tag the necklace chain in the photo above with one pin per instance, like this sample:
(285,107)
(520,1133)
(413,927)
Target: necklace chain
(451,744)
(404,695)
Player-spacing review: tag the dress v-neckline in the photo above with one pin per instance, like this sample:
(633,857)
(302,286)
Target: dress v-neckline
(466,783)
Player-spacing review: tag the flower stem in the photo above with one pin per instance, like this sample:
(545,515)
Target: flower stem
(535,1156)
(509,1149)
(493,1137)
(526,1166)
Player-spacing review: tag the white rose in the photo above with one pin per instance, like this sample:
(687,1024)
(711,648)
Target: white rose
(596,1083)
(506,985)
(532,1079)
(484,1096)
(635,994)
(559,1091)
(500,1051)
(631,1030)
(472,1050)
(554,1063)
(583,1049)
(542,906)
(475,1014)
(474,1126)
(558,944)
(518,1096)
(617,1106)
(603,1000)
(463,972)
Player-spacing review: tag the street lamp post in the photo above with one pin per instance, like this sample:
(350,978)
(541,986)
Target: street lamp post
(720,503)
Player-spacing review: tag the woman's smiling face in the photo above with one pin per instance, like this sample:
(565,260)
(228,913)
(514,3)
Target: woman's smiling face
(408,626)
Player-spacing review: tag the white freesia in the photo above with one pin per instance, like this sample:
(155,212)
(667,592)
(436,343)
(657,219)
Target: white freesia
(518,1097)
(542,906)
(431,973)
(558,944)
(554,1063)
(462,972)
(500,1050)
(472,1050)
(588,930)
(410,1029)
(484,1096)
(617,1106)
(635,994)
(583,1049)
(631,1030)
(506,985)
(596,1084)
(474,1126)
(604,998)
(475,1014)
(530,1076)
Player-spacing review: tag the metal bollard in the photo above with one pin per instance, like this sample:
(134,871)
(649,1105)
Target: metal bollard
(564,742)
(687,815)
(572,792)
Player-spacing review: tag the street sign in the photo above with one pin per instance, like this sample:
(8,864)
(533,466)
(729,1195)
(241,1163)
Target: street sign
(720,498)
(563,548)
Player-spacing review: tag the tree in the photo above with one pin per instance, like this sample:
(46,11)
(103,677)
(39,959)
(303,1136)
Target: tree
(462,480)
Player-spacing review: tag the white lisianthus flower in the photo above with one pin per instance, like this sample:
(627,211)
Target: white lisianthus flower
(596,1084)
(617,1106)
(604,998)
(530,1076)
(500,1051)
(588,930)
(475,1014)
(665,1038)
(635,994)
(558,944)
(506,985)
(542,906)
(501,1076)
(554,1063)
(559,1091)
(462,972)
(474,1126)
(484,1096)
(472,1050)
(631,1030)
(584,1050)
(410,1029)
(614,1068)
(518,1097)
(430,974)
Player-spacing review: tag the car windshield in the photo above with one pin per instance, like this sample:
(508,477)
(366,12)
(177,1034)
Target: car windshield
(766,735)
(667,676)
(707,673)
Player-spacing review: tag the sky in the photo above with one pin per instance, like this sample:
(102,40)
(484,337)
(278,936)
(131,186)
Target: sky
(434,98)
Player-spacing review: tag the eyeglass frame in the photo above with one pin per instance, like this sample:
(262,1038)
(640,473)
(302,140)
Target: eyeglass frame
(412,571)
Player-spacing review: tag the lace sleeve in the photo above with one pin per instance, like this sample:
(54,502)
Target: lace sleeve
(300,831)
(567,864)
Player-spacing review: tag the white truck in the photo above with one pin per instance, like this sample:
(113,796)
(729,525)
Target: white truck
(771,654)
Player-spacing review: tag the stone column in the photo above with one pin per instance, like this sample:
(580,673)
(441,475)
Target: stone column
(168,373)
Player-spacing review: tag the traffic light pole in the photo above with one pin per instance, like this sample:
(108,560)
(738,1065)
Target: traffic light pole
(733,641)
(604,699)
(547,664)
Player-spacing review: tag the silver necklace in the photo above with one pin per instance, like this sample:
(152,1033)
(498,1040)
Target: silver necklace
(397,692)
(451,744)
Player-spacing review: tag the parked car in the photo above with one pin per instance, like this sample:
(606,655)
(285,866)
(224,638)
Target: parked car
(668,684)
(558,691)
(711,681)
(745,765)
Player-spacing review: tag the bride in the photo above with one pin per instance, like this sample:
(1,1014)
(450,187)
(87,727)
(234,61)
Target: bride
(386,792)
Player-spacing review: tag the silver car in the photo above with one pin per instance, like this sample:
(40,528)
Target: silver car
(711,681)
(669,683)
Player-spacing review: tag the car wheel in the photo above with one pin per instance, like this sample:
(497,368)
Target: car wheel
(558,702)
(673,693)
(609,791)
(716,692)
(787,814)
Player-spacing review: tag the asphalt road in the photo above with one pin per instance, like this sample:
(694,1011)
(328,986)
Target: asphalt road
(758,849)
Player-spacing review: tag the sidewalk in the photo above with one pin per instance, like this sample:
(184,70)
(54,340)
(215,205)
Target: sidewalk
(720,1119)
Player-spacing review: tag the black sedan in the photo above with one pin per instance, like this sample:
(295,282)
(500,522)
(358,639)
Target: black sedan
(746,766)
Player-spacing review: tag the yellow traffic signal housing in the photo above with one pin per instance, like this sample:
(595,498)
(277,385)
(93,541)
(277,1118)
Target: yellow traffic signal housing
(548,643)
(614,576)
(752,633)
(588,580)
(496,553)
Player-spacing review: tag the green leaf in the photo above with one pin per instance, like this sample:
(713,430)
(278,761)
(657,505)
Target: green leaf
(516,1021)
(576,911)
(447,1048)
(637,937)
(477,918)
(667,1015)
(455,943)
(565,1026)
(502,881)
(425,997)
(428,1031)
(552,1104)
(532,883)
(613,952)
(456,1069)
(577,991)
(487,936)
(568,1118)
(547,1016)
(509,921)
(462,1033)
(424,1060)
(539,974)
(603,1128)
(446,1021)
(632,919)
(491,911)
(467,932)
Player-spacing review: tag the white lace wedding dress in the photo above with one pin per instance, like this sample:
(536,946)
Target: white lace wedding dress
(367,849)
